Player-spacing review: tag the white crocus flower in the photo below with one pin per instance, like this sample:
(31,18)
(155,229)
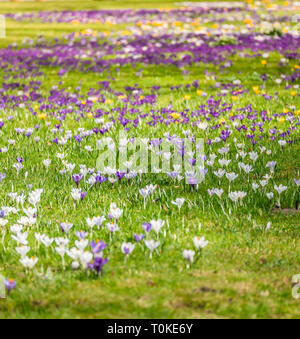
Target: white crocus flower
(16,228)
(178,202)
(35,197)
(220,173)
(3,222)
(76,194)
(22,250)
(236,196)
(280,188)
(157,225)
(47,163)
(74,253)
(82,244)
(253,156)
(144,192)
(21,238)
(127,247)
(231,176)
(151,245)
(29,262)
(85,258)
(115,212)
(200,242)
(189,256)
(46,241)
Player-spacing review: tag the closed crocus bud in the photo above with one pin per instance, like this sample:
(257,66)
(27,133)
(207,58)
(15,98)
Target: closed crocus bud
(75,265)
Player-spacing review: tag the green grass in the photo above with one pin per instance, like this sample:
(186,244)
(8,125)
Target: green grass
(245,272)
(87,5)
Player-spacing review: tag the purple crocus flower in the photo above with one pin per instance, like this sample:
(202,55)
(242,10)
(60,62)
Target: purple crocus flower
(193,181)
(2,176)
(65,227)
(192,161)
(2,214)
(120,175)
(10,285)
(98,264)
(20,160)
(98,246)
(81,234)
(101,179)
(78,138)
(139,237)
(147,226)
(77,178)
(83,195)
(297,182)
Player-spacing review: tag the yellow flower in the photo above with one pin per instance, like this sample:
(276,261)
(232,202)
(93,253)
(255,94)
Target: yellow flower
(234,98)
(222,121)
(175,115)
(187,97)
(42,116)
(285,30)
(126,33)
(177,23)
(83,102)
(264,62)
(281,119)
(256,89)
(109,101)
(248,21)
(90,115)
(293,93)
(297,112)
(199,92)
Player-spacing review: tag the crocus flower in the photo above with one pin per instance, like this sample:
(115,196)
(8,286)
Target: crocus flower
(189,256)
(139,237)
(297,182)
(178,202)
(157,225)
(147,226)
(200,242)
(81,234)
(9,285)
(65,227)
(152,245)
(77,178)
(127,247)
(2,176)
(98,264)
(98,246)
